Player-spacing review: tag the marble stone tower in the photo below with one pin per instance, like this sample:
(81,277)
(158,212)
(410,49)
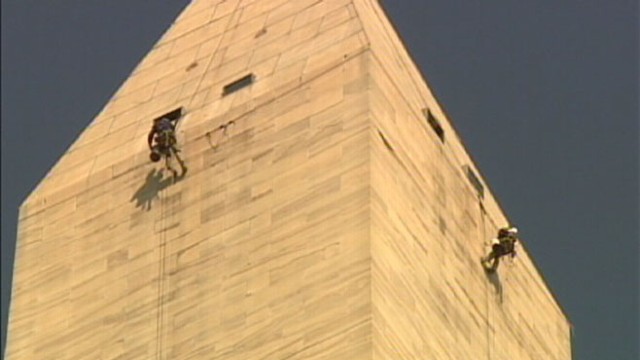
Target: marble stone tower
(330,211)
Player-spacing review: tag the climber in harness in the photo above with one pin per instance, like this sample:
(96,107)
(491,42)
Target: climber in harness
(504,244)
(162,143)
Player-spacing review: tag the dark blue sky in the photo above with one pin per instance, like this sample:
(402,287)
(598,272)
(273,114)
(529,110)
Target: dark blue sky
(544,95)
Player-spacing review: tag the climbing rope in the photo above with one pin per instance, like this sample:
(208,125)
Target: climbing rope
(161,271)
(162,238)
(483,214)
(159,301)
(213,53)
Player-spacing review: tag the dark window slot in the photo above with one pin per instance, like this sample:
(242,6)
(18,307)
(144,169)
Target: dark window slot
(238,84)
(385,141)
(172,115)
(435,124)
(473,179)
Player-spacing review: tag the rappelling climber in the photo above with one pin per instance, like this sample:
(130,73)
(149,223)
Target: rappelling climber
(162,143)
(503,244)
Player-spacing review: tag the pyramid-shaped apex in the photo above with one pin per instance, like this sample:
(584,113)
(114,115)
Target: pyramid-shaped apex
(329,211)
(209,45)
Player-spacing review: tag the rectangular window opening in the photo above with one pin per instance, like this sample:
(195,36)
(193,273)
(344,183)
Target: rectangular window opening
(238,84)
(173,115)
(435,124)
(474,180)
